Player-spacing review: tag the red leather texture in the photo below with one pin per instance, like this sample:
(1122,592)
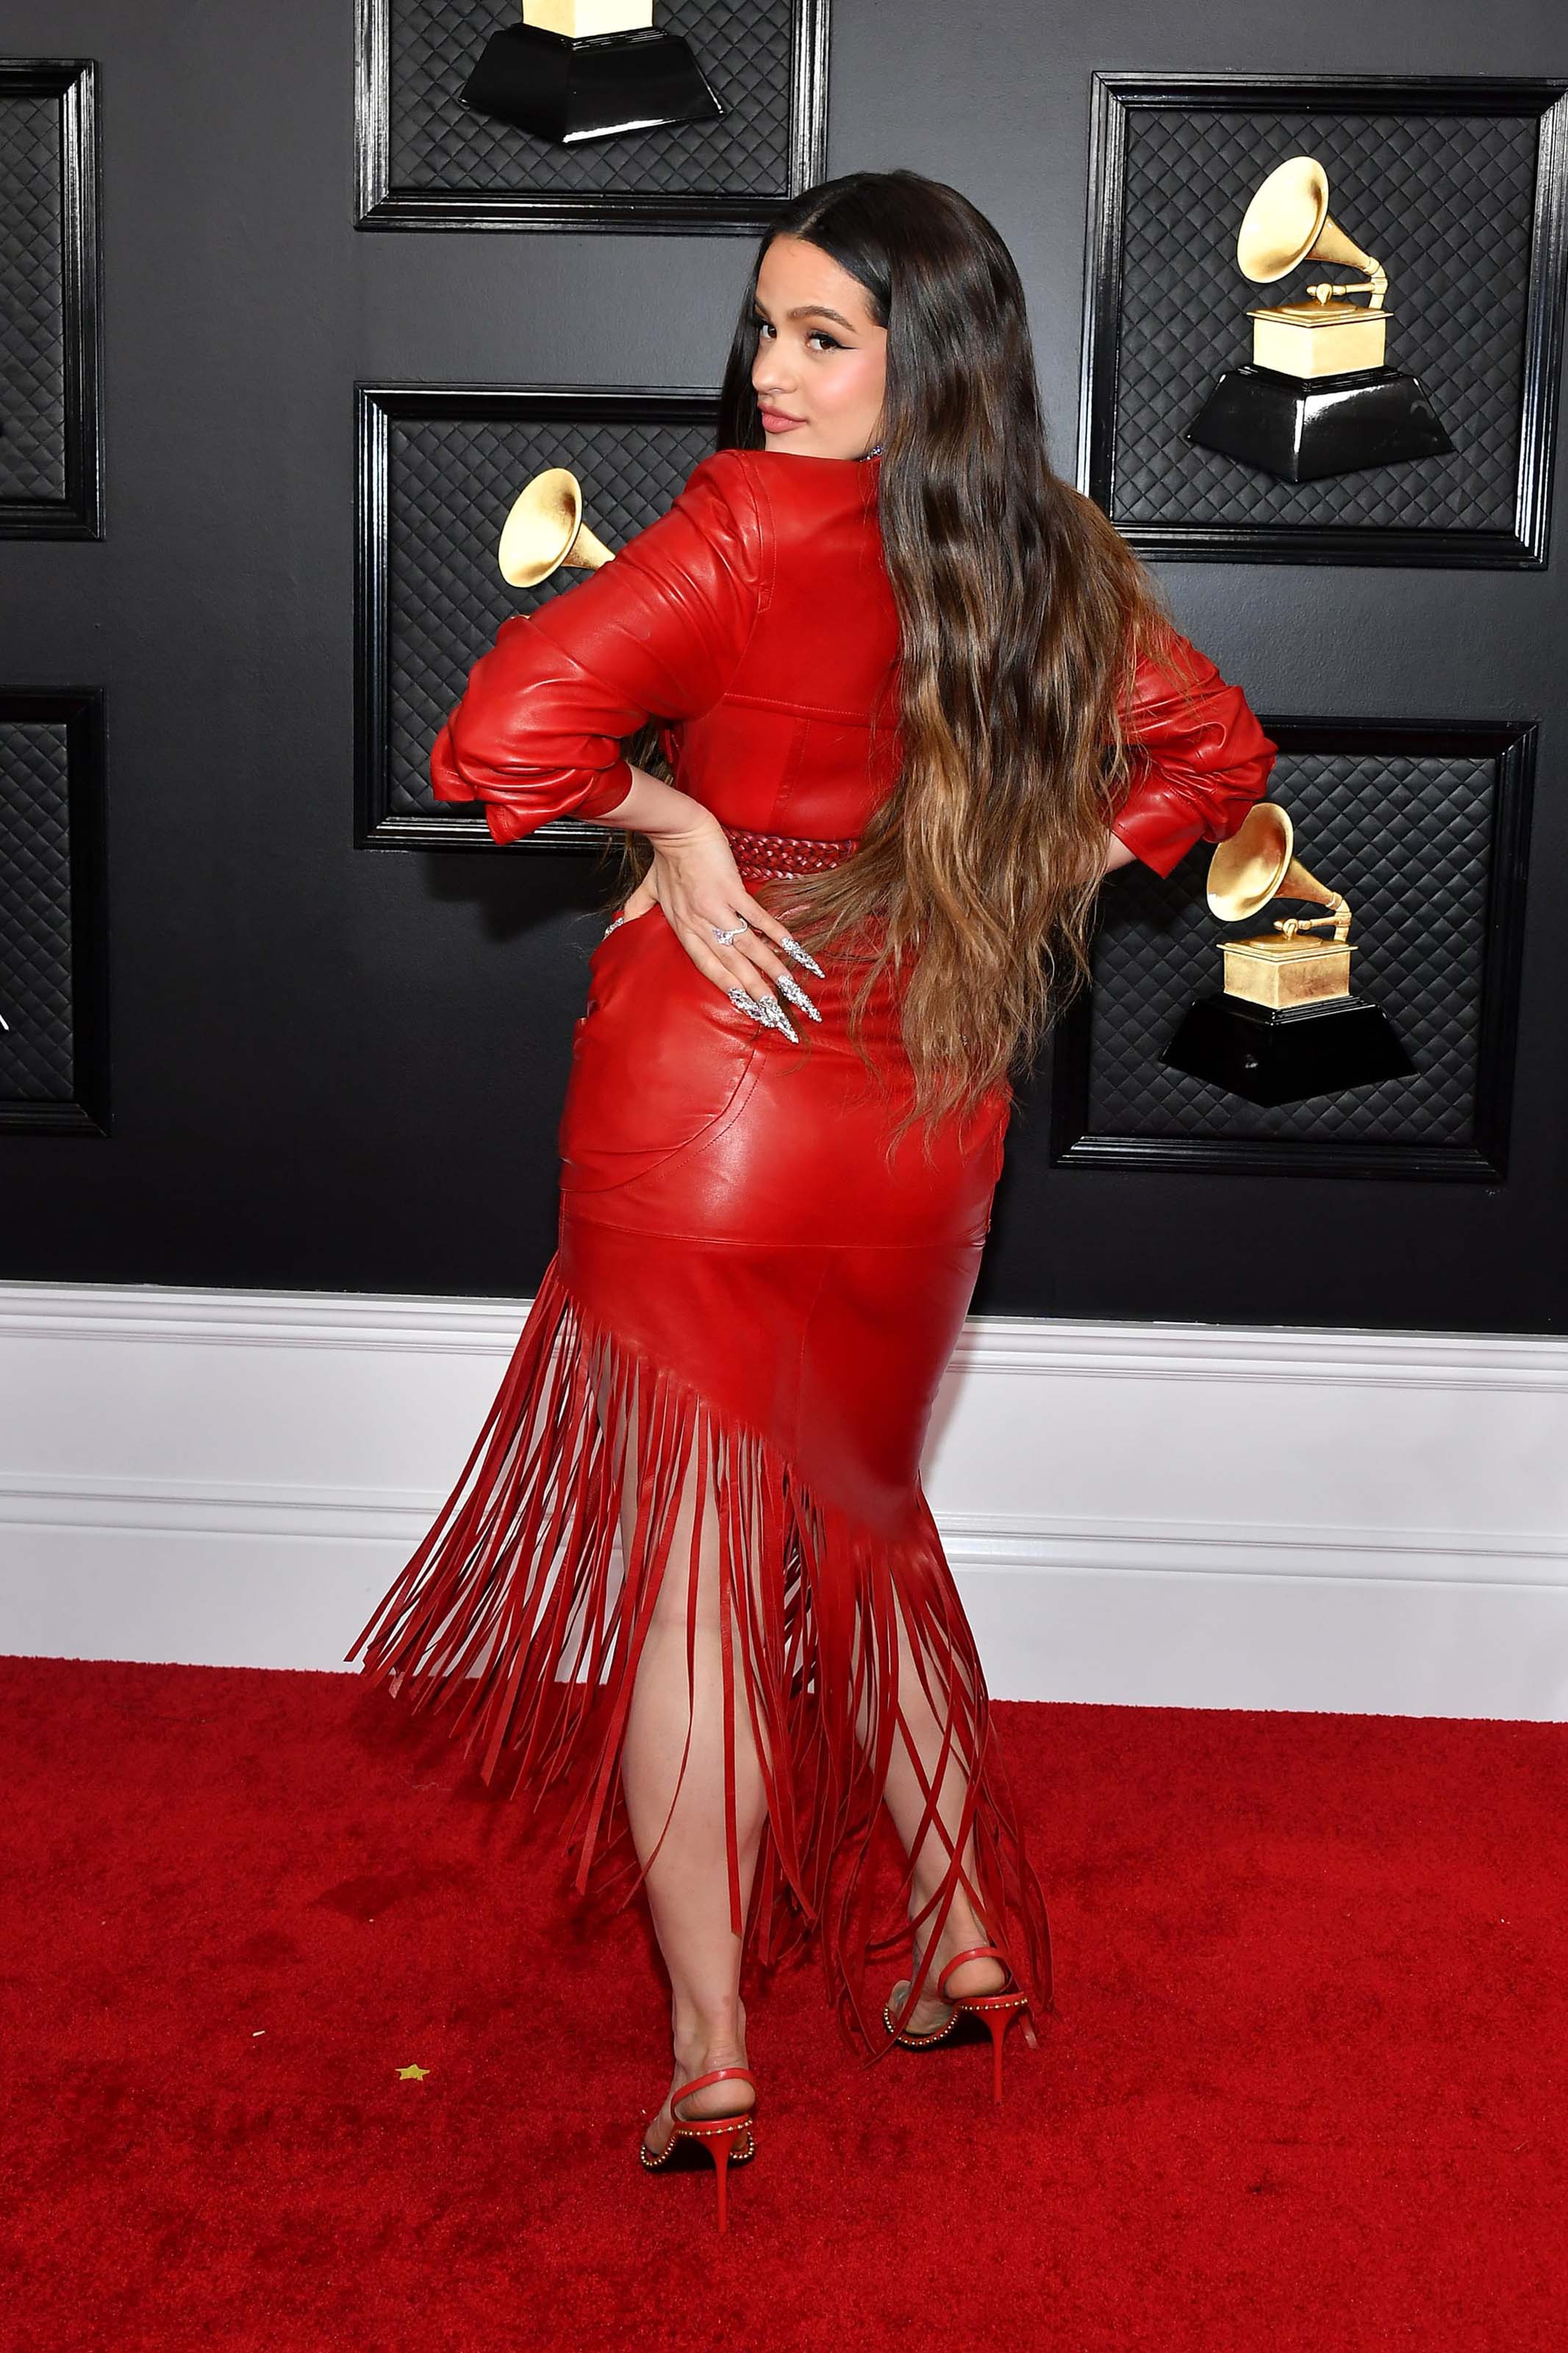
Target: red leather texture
(731,1204)
(1200,762)
(756,619)
(753,1292)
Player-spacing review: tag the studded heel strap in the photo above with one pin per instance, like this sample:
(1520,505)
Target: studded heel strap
(975,1953)
(701,2083)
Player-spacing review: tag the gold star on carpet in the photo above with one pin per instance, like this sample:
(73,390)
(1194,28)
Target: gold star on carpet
(419,2073)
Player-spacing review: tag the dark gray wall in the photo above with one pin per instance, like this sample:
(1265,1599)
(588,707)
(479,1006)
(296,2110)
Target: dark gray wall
(343,1069)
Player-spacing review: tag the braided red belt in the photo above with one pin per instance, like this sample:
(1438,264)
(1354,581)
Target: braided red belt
(786,855)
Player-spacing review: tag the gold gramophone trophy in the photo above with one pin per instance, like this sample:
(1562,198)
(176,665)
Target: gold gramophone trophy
(1318,398)
(1287,1025)
(545,531)
(577,70)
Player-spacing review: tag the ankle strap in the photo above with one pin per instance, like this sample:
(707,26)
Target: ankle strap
(701,2083)
(975,1953)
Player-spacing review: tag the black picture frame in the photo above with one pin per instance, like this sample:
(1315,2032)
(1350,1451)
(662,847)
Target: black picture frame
(1519,543)
(378,407)
(382,203)
(86,1113)
(1510,745)
(77,513)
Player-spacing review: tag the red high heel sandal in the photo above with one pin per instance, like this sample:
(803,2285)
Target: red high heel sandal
(995,2012)
(726,2139)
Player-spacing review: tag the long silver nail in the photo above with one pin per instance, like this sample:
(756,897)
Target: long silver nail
(773,1011)
(767,1010)
(787,986)
(792,949)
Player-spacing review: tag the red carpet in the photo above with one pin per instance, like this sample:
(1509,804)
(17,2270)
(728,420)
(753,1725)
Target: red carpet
(1305,2086)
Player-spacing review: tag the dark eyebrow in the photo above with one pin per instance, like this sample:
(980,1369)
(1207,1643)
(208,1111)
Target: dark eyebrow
(816,311)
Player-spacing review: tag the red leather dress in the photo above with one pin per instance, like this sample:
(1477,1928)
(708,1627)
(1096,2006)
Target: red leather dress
(750,1292)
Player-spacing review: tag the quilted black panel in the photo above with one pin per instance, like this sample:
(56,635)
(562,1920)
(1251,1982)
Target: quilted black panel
(450,483)
(37,1058)
(32,323)
(1408,840)
(1445,201)
(743,46)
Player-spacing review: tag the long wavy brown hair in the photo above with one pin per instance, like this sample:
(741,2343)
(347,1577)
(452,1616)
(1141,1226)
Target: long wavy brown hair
(1022,613)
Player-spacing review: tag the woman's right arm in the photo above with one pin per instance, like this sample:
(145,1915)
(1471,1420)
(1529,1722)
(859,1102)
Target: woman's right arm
(658,632)
(663,812)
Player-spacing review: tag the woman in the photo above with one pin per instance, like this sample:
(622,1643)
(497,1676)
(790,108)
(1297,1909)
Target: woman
(918,697)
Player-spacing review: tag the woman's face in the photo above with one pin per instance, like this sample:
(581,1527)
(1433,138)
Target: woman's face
(821,362)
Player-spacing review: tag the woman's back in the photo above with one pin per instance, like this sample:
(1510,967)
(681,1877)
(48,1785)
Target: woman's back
(791,747)
(755,621)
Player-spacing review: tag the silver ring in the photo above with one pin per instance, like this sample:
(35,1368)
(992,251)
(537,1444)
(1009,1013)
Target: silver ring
(724,938)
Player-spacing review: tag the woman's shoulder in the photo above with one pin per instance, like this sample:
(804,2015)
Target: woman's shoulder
(770,487)
(715,519)
(717,509)
(787,528)
(724,485)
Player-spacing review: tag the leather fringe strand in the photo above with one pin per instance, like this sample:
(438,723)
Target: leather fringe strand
(515,1618)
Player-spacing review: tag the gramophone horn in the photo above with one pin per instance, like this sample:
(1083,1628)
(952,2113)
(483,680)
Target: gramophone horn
(545,530)
(1288,221)
(1257,863)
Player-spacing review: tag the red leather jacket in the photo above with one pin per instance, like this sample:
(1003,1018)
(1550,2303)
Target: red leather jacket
(756,620)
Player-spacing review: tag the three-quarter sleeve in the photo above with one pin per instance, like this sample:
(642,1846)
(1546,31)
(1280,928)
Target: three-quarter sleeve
(1198,761)
(657,633)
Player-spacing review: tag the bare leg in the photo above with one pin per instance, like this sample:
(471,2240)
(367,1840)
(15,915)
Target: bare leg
(919,1741)
(687,1882)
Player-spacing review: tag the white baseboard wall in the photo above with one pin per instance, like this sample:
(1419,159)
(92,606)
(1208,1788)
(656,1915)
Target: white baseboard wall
(1152,1513)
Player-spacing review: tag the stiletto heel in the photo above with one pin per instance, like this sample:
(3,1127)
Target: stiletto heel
(998,2023)
(995,2012)
(727,2139)
(719,2150)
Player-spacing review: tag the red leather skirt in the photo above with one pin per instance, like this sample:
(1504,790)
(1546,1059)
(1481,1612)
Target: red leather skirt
(752,1288)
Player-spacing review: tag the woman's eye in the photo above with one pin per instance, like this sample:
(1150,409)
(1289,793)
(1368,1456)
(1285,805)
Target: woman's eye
(815,334)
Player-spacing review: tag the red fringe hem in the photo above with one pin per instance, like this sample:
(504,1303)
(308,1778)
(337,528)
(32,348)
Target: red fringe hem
(510,1618)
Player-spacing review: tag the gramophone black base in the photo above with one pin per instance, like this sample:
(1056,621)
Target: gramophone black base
(1280,1058)
(568,91)
(1304,428)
